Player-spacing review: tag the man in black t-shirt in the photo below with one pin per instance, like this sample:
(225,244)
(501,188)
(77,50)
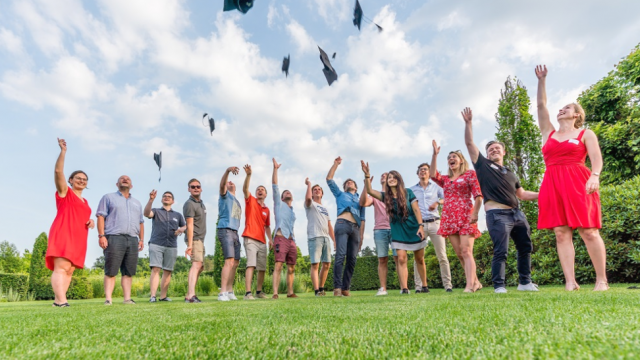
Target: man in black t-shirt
(501,191)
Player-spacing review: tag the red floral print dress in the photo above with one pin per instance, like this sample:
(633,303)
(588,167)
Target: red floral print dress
(458,204)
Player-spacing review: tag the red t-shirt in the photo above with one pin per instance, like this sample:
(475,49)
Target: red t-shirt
(256,218)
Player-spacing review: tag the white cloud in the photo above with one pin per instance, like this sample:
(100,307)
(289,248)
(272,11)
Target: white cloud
(10,42)
(301,38)
(333,12)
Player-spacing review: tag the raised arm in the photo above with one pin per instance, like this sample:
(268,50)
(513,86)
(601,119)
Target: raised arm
(147,209)
(433,169)
(223,182)
(367,181)
(274,177)
(308,196)
(334,167)
(543,113)
(467,115)
(595,156)
(247,180)
(58,176)
(365,199)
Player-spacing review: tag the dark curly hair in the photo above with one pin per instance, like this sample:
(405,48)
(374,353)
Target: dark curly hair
(399,210)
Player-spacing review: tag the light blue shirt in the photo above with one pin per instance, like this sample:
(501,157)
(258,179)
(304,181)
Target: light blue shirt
(426,197)
(347,201)
(122,216)
(229,212)
(285,217)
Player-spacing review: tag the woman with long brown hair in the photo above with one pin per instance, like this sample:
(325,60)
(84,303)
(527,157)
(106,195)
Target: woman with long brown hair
(67,246)
(569,196)
(459,220)
(405,218)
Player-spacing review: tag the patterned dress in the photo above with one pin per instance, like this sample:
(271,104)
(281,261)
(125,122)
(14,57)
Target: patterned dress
(456,212)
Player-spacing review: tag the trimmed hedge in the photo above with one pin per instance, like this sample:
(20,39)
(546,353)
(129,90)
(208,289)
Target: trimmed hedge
(18,282)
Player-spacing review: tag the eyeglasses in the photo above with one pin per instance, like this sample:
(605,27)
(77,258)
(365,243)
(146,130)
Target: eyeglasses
(81,179)
(195,186)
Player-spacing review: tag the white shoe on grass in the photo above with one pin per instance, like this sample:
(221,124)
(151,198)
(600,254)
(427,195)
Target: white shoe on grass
(231,295)
(500,290)
(381,292)
(529,287)
(223,297)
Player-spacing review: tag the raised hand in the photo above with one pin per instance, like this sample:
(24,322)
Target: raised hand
(467,115)
(307,182)
(62,144)
(337,161)
(365,168)
(275,164)
(247,169)
(234,170)
(436,148)
(152,194)
(541,71)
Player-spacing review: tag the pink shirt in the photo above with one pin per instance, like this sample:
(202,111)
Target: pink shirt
(380,215)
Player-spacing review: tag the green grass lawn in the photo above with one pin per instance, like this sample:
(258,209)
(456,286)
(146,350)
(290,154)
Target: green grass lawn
(549,324)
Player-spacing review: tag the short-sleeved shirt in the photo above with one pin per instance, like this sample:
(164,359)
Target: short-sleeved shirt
(347,201)
(426,197)
(195,209)
(317,220)
(164,226)
(380,215)
(285,217)
(404,230)
(229,212)
(256,218)
(497,182)
(122,215)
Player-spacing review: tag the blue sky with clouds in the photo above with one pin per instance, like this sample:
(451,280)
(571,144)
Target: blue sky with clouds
(120,80)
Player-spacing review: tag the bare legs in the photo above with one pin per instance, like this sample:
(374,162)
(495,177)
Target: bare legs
(194,273)
(276,277)
(290,272)
(463,246)
(383,270)
(61,278)
(418,257)
(164,283)
(228,274)
(567,255)
(402,271)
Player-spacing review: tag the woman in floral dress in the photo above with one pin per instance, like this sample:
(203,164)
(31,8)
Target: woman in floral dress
(459,220)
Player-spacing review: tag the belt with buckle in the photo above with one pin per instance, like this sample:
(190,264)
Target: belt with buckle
(430,220)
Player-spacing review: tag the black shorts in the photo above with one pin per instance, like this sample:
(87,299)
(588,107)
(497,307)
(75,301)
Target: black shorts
(121,253)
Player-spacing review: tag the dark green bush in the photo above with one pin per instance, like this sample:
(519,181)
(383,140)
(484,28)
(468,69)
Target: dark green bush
(18,282)
(80,288)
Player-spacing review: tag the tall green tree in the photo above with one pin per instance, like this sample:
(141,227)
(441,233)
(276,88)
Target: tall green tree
(10,261)
(521,136)
(612,107)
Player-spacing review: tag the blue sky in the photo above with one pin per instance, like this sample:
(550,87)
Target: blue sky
(120,80)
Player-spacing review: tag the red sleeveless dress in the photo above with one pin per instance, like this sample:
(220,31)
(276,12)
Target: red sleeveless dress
(563,199)
(68,234)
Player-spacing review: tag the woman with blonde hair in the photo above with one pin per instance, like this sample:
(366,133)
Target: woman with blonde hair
(459,220)
(569,196)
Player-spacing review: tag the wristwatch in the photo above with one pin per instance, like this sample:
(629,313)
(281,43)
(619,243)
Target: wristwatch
(595,173)
(101,236)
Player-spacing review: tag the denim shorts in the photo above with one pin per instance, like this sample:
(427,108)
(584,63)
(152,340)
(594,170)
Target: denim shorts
(382,238)
(230,243)
(320,249)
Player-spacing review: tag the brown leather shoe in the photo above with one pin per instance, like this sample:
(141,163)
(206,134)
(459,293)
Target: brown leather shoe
(275,297)
(337,292)
(292,296)
(346,293)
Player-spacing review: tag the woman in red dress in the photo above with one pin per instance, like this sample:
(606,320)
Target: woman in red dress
(569,196)
(67,246)
(459,220)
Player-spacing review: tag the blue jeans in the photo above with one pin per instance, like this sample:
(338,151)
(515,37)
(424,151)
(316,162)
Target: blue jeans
(502,224)
(382,238)
(347,244)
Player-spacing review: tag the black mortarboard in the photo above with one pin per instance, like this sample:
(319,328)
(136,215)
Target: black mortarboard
(158,159)
(285,65)
(241,5)
(329,71)
(334,56)
(357,15)
(212,124)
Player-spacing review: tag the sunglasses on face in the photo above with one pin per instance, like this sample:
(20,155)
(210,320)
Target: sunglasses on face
(195,186)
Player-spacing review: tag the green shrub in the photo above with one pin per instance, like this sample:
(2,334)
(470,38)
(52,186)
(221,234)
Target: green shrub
(206,286)
(80,288)
(18,282)
(38,269)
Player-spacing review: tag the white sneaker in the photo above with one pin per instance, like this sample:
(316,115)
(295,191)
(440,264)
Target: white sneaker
(231,296)
(500,290)
(381,292)
(529,287)
(223,297)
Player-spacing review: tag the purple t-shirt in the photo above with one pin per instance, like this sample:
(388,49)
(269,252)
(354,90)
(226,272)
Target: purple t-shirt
(380,215)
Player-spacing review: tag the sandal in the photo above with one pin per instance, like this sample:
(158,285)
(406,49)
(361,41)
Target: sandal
(605,283)
(575,287)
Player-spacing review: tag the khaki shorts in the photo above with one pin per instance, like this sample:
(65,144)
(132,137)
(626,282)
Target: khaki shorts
(197,251)
(256,254)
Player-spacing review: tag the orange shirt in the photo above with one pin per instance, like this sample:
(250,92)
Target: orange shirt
(256,218)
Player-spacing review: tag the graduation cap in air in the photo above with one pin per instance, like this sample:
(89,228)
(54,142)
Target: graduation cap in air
(212,124)
(358,15)
(241,5)
(285,65)
(158,159)
(334,56)
(329,71)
